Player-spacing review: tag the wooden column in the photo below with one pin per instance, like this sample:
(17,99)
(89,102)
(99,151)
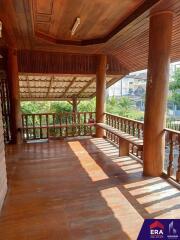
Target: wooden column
(74,104)
(156,92)
(100,93)
(15,113)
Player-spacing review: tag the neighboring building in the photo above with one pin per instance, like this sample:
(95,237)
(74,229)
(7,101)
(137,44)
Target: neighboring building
(134,86)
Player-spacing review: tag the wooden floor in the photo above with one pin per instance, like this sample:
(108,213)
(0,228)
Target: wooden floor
(80,189)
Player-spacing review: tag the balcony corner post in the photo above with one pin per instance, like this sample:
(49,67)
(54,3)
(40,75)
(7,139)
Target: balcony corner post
(160,35)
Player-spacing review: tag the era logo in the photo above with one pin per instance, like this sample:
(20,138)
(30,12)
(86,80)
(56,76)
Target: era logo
(156,228)
(156,231)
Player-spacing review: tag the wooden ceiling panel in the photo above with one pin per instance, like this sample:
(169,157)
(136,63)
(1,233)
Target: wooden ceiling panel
(129,46)
(43,26)
(106,14)
(43,7)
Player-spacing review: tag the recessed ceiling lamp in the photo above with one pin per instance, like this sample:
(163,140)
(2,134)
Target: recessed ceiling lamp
(0,29)
(75,26)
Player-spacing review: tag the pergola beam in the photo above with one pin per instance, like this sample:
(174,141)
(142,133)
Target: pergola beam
(68,87)
(86,86)
(50,85)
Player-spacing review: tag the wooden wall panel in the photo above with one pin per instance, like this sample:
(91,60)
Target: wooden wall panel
(3,177)
(60,63)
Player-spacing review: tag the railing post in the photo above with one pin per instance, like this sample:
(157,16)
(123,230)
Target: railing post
(178,170)
(170,168)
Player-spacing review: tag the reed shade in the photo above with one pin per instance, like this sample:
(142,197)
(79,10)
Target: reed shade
(55,87)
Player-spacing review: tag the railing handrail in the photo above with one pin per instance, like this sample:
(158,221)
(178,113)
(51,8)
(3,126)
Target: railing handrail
(54,113)
(129,119)
(141,122)
(172,130)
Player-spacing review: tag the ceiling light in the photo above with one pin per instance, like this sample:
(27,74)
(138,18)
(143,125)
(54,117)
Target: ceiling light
(75,26)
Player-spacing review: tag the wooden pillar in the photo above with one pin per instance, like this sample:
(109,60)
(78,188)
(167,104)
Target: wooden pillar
(160,35)
(100,93)
(74,104)
(15,113)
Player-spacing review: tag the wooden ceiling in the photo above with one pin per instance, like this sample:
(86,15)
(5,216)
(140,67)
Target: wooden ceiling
(58,87)
(56,18)
(40,25)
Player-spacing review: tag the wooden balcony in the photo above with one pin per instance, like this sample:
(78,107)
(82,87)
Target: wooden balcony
(80,189)
(73,124)
(75,188)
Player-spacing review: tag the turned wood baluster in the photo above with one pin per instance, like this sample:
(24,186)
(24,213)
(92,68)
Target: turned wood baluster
(66,122)
(170,168)
(135,129)
(34,130)
(79,124)
(85,129)
(47,124)
(178,170)
(118,123)
(60,125)
(22,120)
(139,130)
(40,122)
(129,126)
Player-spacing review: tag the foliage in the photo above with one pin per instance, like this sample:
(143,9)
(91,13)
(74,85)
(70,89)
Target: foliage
(123,107)
(60,107)
(35,107)
(87,106)
(174,87)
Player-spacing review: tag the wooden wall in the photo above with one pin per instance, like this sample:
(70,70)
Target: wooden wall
(3,177)
(61,63)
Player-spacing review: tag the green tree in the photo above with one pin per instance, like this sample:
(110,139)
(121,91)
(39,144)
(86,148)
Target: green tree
(87,106)
(174,87)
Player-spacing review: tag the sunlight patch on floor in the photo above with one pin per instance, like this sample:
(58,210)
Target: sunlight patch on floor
(93,170)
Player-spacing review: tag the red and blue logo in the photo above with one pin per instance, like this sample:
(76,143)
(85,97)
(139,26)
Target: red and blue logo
(166,229)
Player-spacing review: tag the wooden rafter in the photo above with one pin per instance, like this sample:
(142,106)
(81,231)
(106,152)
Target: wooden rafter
(86,86)
(68,87)
(112,81)
(50,85)
(28,86)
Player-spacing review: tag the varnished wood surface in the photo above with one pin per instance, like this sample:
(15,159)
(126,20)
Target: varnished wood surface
(80,189)
(3,177)
(130,45)
(157,92)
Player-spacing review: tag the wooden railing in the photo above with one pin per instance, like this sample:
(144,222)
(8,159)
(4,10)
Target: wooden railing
(130,126)
(53,125)
(172,160)
(135,128)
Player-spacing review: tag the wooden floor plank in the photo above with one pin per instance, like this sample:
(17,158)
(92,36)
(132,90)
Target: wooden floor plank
(80,189)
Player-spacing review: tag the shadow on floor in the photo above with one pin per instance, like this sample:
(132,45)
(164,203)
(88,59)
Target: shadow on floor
(53,194)
(151,197)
